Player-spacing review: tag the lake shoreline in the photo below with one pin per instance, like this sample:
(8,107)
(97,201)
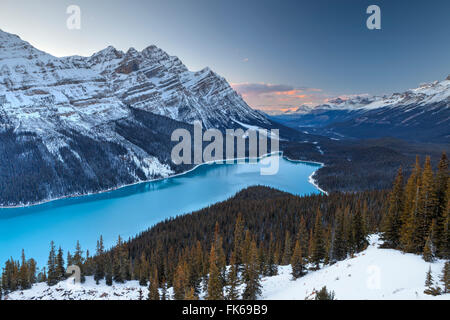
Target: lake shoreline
(311,180)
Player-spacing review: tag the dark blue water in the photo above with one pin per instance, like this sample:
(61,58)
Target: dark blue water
(130,210)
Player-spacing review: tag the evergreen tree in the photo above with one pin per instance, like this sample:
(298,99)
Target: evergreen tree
(441,186)
(60,269)
(153,292)
(429,284)
(393,221)
(427,251)
(52,277)
(252,283)
(108,271)
(302,236)
(246,254)
(318,246)
(426,206)
(359,235)
(445,277)
(23,280)
(238,240)
(297,263)
(232,280)
(144,270)
(215,287)
(121,264)
(339,248)
(287,253)
(99,261)
(324,294)
(179,282)
(270,267)
(410,209)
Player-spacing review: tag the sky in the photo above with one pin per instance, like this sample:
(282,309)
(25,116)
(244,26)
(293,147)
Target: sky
(277,54)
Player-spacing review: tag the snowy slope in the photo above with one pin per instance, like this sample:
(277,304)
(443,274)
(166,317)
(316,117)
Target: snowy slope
(373,274)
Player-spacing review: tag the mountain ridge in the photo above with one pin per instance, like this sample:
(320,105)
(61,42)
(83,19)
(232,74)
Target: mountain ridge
(77,125)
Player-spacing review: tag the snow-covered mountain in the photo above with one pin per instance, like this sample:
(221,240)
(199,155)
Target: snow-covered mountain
(75,125)
(88,91)
(375,274)
(416,114)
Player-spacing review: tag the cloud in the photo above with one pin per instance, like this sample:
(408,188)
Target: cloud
(277,97)
(259,88)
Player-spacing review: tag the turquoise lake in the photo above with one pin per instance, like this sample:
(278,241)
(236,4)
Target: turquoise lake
(130,210)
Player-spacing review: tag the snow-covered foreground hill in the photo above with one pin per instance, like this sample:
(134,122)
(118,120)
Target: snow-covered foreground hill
(373,274)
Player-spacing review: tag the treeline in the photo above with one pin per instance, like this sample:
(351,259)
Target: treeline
(418,219)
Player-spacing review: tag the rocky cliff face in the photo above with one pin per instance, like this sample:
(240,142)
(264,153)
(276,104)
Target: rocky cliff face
(76,125)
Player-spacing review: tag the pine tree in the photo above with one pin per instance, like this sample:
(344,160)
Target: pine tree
(359,234)
(253,283)
(23,280)
(121,264)
(60,269)
(324,294)
(108,271)
(429,284)
(215,286)
(143,270)
(441,185)
(426,207)
(302,236)
(153,292)
(220,255)
(410,209)
(232,280)
(445,251)
(318,246)
(445,277)
(99,261)
(297,263)
(393,222)
(270,267)
(427,251)
(287,253)
(179,282)
(197,266)
(246,247)
(339,248)
(238,240)
(52,277)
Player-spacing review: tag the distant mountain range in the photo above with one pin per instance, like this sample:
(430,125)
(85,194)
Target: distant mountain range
(421,114)
(76,125)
